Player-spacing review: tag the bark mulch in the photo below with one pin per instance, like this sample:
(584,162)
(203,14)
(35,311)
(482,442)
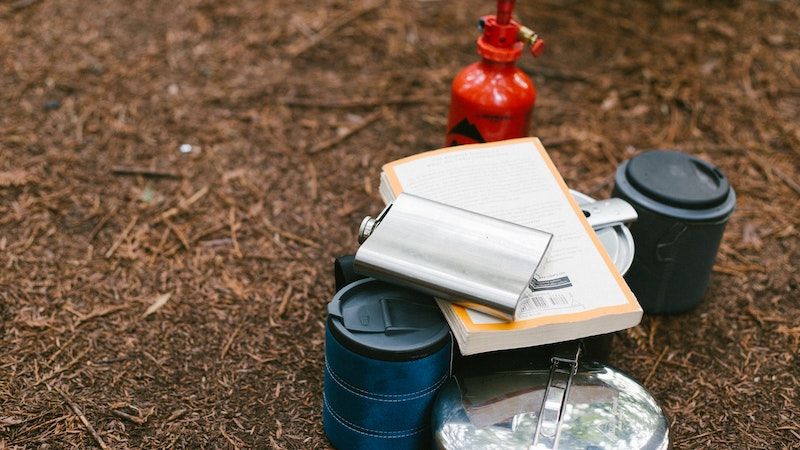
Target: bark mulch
(176,177)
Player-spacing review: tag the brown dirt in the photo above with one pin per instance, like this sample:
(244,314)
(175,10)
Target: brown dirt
(233,358)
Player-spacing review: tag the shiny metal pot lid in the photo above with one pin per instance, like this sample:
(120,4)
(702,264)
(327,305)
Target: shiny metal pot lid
(605,409)
(616,239)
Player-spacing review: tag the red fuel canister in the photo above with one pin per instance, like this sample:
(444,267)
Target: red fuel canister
(492,99)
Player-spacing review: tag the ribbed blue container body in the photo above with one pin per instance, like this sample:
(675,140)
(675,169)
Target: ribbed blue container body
(377,404)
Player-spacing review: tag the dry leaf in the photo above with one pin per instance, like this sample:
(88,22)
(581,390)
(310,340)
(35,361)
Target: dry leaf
(158,302)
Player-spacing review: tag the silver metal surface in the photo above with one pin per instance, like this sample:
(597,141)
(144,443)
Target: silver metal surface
(554,401)
(454,254)
(604,409)
(367,225)
(617,240)
(612,211)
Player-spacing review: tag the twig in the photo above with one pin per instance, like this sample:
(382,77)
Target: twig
(83,419)
(698,436)
(207,232)
(768,175)
(82,318)
(102,223)
(160,246)
(227,437)
(144,171)
(228,343)
(330,143)
(652,334)
(177,414)
(178,233)
(122,236)
(28,242)
(183,205)
(357,103)
(63,369)
(290,236)
(313,183)
(284,302)
(60,349)
(789,182)
(123,415)
(232,223)
(196,238)
(332,27)
(655,366)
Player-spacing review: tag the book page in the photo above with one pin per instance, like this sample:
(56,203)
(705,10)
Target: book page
(513,182)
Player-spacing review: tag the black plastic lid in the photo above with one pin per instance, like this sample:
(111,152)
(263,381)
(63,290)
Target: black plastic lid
(678,179)
(677,184)
(388,322)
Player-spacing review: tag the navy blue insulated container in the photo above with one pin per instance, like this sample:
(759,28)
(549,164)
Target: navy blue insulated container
(387,353)
(683,204)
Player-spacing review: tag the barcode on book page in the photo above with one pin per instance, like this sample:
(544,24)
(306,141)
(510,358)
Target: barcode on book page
(538,303)
(550,301)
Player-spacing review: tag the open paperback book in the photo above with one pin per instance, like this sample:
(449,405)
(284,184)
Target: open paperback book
(576,292)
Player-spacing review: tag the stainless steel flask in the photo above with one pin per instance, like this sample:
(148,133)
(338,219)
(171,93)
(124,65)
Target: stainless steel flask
(451,253)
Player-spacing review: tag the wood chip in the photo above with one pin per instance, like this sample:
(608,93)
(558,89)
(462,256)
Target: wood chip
(15,178)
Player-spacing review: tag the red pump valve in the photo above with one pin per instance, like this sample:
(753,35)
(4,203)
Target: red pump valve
(527,35)
(501,35)
(537,48)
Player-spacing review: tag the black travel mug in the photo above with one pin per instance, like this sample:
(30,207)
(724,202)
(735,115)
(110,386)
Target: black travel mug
(683,204)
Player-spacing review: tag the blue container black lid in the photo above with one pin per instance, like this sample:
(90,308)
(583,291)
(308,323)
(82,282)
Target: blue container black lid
(678,185)
(384,321)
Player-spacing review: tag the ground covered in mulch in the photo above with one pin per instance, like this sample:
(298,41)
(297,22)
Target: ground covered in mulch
(183,306)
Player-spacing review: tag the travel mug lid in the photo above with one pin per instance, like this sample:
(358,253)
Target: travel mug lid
(676,184)
(384,321)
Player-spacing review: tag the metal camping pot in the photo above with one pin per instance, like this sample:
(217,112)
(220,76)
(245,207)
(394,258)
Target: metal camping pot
(616,238)
(572,406)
